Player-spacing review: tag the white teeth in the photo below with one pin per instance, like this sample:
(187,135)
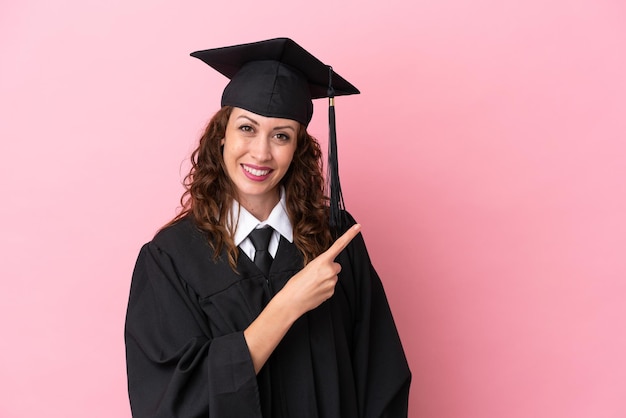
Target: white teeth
(255,172)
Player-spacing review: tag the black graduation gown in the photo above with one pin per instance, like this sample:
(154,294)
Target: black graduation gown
(187,357)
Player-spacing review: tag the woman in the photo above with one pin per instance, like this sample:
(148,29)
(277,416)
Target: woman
(243,306)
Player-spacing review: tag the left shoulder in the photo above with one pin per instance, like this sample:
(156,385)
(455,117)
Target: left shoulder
(347,220)
(357,245)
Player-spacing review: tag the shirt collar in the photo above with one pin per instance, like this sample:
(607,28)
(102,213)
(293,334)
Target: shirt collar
(278,219)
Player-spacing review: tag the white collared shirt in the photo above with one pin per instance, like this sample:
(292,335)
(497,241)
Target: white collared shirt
(278,219)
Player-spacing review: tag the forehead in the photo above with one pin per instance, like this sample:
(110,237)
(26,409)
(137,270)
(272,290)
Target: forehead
(243,114)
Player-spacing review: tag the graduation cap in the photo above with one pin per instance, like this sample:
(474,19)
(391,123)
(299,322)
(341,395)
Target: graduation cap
(278,78)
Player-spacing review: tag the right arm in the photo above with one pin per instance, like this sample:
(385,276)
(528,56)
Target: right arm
(303,292)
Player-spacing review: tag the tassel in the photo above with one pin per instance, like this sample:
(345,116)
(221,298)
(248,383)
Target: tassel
(337,216)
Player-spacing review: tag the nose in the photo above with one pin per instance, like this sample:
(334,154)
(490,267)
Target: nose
(260,149)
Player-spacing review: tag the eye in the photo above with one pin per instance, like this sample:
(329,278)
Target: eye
(283,137)
(246,128)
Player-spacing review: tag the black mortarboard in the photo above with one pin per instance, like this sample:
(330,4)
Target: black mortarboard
(278,78)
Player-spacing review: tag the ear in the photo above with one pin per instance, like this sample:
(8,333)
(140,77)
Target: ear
(222,141)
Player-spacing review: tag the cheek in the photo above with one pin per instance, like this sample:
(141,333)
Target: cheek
(229,157)
(231,149)
(287,158)
(292,152)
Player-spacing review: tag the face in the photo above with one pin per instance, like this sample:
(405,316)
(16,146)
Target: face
(257,154)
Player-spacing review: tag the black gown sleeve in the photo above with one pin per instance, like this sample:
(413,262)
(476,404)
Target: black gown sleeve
(175,367)
(382,374)
(385,358)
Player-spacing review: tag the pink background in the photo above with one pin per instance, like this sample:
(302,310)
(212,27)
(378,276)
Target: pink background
(485,159)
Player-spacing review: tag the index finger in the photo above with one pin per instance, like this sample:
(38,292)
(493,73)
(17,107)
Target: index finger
(343,241)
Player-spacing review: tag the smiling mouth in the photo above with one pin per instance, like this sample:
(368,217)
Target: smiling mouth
(255,171)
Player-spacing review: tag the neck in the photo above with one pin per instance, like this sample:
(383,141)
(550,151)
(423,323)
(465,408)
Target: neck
(260,208)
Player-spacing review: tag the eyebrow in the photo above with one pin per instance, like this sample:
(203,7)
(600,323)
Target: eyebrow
(249,118)
(276,128)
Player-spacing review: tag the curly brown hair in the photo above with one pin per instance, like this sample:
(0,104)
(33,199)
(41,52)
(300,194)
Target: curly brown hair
(209,193)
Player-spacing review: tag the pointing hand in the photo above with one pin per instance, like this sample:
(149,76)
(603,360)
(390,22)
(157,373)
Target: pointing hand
(316,282)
